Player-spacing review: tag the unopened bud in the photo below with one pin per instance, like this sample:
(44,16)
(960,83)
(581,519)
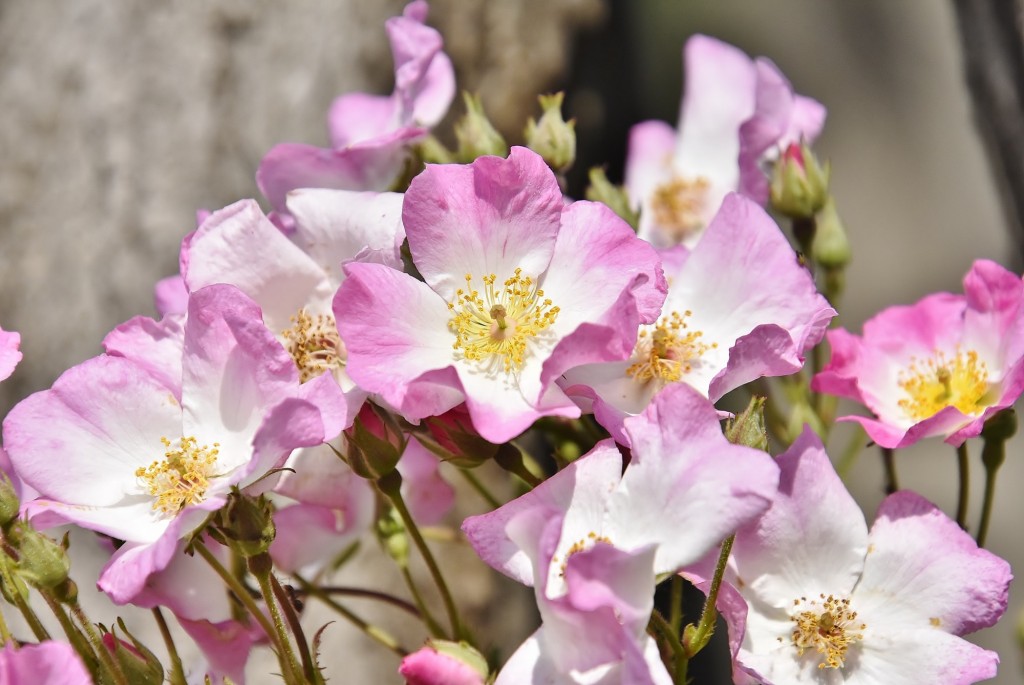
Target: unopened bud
(137,662)
(375,442)
(604,191)
(441,662)
(799,185)
(747,428)
(455,440)
(247,524)
(9,504)
(552,137)
(475,134)
(830,246)
(42,561)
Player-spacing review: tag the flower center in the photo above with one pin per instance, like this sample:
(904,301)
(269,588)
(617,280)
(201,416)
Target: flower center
(494,326)
(939,382)
(668,351)
(678,206)
(314,344)
(580,545)
(826,625)
(182,477)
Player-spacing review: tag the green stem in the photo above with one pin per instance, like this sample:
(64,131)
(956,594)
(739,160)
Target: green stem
(889,463)
(480,488)
(74,635)
(391,486)
(668,636)
(696,639)
(429,621)
(992,455)
(963,465)
(239,591)
(397,602)
(848,457)
(97,643)
(308,667)
(177,670)
(5,633)
(378,634)
(676,604)
(260,566)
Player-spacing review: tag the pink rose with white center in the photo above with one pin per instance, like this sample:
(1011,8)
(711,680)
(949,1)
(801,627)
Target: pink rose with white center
(371,135)
(736,114)
(685,489)
(142,456)
(294,277)
(518,289)
(740,306)
(941,366)
(824,600)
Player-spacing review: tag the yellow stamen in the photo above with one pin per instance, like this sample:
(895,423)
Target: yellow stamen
(580,546)
(182,476)
(495,326)
(678,206)
(314,344)
(828,626)
(668,351)
(939,382)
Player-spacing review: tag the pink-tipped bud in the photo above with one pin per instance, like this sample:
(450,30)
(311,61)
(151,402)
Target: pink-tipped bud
(444,663)
(456,441)
(375,442)
(799,186)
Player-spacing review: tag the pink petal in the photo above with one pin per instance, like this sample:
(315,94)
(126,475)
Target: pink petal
(428,495)
(47,663)
(923,570)
(360,117)
(226,646)
(649,159)
(9,354)
(170,296)
(921,656)
(154,345)
(492,216)
(309,537)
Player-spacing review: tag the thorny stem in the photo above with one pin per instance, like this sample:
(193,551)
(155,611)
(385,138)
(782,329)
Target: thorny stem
(75,637)
(384,597)
(97,643)
(261,571)
(308,667)
(26,611)
(699,637)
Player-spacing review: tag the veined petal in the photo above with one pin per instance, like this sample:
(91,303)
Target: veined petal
(395,329)
(813,538)
(334,226)
(153,345)
(360,117)
(921,656)
(370,165)
(720,96)
(238,245)
(923,571)
(687,488)
(81,441)
(490,217)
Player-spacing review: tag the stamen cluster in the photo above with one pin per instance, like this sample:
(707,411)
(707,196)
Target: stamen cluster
(667,352)
(678,206)
(829,628)
(496,325)
(939,382)
(314,344)
(182,477)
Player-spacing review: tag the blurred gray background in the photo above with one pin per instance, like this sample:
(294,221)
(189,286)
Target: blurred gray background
(121,119)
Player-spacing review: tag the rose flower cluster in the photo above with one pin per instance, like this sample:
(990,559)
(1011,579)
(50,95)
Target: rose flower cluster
(404,306)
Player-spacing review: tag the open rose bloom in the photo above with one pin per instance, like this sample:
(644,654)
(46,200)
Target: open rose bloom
(941,366)
(815,597)
(737,114)
(517,289)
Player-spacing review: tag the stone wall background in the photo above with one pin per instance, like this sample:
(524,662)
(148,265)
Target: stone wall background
(119,120)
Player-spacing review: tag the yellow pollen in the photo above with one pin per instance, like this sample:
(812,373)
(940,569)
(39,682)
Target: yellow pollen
(678,206)
(582,545)
(940,382)
(667,352)
(495,325)
(182,476)
(828,626)
(314,344)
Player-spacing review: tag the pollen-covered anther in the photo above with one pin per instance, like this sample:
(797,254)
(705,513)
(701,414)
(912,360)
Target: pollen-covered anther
(495,325)
(182,477)
(668,352)
(314,344)
(933,384)
(826,625)
(678,206)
